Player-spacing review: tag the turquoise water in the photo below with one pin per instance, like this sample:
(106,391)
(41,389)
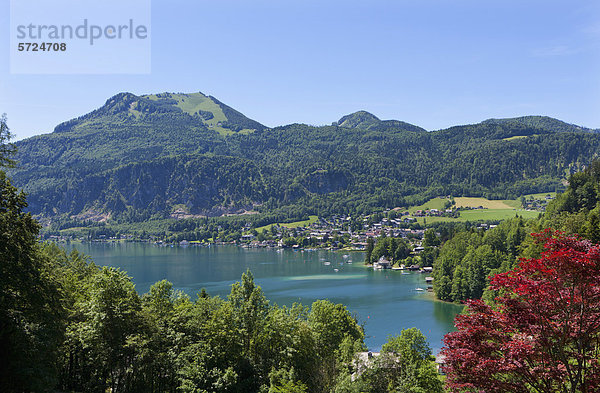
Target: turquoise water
(384,301)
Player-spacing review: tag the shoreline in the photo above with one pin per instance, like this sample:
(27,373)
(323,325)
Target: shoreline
(198,244)
(431,297)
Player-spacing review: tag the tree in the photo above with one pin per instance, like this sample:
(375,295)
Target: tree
(30,307)
(156,359)
(284,381)
(332,325)
(405,364)
(430,239)
(7,150)
(112,322)
(252,307)
(592,225)
(543,332)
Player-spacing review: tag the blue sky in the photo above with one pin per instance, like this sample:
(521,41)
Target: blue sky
(433,63)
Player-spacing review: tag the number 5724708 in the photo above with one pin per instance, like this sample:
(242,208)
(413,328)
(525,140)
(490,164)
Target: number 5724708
(42,47)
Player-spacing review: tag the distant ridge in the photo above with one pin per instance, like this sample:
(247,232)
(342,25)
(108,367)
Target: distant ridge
(360,119)
(541,122)
(172,155)
(368,121)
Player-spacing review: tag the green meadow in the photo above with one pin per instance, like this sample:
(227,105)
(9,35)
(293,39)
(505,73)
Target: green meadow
(493,210)
(290,225)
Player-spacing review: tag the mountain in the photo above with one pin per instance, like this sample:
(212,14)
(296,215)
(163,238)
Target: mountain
(545,123)
(367,121)
(196,108)
(175,155)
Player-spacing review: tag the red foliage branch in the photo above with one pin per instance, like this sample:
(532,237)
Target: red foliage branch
(543,332)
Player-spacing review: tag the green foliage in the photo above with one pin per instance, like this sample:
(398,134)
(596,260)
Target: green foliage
(367,121)
(7,150)
(577,210)
(405,364)
(137,158)
(285,381)
(430,239)
(411,346)
(393,249)
(332,323)
(467,260)
(31,326)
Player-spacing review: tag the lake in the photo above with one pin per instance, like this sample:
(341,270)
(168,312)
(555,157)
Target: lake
(384,301)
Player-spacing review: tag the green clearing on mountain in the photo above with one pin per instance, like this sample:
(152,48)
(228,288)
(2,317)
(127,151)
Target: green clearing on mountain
(137,158)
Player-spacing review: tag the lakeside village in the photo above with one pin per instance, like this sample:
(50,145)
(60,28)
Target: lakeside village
(393,239)
(338,232)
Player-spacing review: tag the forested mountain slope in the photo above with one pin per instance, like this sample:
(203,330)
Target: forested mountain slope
(150,155)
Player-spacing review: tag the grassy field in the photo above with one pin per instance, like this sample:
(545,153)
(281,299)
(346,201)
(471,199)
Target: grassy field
(435,203)
(541,195)
(486,203)
(512,138)
(433,220)
(481,215)
(192,103)
(494,210)
(495,214)
(295,224)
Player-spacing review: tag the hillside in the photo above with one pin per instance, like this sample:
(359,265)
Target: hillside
(367,121)
(154,155)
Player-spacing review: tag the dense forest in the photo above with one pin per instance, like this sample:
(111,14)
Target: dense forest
(144,157)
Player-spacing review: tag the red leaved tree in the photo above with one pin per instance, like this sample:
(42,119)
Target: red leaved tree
(543,333)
